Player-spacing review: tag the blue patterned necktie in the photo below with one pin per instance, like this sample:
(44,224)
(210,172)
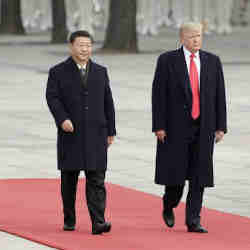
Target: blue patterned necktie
(82,71)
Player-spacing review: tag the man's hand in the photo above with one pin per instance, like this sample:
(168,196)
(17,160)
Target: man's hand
(67,126)
(110,140)
(161,135)
(219,136)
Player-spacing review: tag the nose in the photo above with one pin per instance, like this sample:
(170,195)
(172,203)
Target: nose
(195,42)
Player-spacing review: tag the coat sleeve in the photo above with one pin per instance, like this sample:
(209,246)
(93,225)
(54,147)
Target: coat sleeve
(221,110)
(159,97)
(109,107)
(54,99)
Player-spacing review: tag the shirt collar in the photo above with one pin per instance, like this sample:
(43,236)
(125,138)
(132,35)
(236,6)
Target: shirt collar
(187,53)
(81,66)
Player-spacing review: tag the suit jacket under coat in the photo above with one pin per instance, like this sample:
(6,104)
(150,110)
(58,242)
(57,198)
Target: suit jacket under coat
(171,111)
(91,111)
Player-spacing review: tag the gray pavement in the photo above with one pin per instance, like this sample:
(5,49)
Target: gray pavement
(28,134)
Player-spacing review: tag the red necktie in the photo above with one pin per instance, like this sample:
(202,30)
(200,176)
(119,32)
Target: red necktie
(194,79)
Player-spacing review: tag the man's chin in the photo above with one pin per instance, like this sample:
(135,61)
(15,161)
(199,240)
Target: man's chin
(196,49)
(83,59)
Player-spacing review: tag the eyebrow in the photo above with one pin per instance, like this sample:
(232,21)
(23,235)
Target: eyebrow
(193,35)
(87,43)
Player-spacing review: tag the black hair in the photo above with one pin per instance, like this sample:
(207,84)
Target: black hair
(80,33)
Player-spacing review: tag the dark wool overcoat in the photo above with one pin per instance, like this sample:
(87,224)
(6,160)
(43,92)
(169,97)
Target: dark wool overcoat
(91,110)
(171,111)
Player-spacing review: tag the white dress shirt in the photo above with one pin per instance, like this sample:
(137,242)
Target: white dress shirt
(197,61)
(81,66)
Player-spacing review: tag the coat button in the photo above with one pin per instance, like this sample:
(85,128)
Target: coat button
(185,106)
(86,93)
(86,108)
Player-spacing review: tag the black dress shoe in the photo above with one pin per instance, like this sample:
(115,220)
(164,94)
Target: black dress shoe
(99,228)
(168,216)
(67,227)
(197,229)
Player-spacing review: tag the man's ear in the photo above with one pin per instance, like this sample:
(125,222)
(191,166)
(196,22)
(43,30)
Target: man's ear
(70,46)
(178,44)
(181,39)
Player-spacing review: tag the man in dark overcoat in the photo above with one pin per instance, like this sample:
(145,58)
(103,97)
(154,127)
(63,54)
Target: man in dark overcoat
(80,100)
(189,115)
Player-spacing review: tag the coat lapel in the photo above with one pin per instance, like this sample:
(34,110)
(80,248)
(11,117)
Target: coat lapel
(75,74)
(91,80)
(184,81)
(73,70)
(204,69)
(90,72)
(203,77)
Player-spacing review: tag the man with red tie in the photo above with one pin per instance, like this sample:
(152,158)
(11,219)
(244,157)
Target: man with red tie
(189,115)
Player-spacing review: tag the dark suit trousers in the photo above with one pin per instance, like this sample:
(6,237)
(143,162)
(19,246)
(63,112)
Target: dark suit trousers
(194,198)
(95,195)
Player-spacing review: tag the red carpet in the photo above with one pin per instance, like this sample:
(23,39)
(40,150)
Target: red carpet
(31,208)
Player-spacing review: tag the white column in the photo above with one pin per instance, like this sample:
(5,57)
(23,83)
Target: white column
(36,15)
(246,15)
(28,10)
(106,4)
(209,15)
(72,14)
(177,13)
(228,15)
(97,5)
(147,17)
(224,12)
(98,14)
(101,13)
(181,11)
(85,15)
(197,10)
(45,21)
(236,13)
(139,16)
(186,10)
(163,9)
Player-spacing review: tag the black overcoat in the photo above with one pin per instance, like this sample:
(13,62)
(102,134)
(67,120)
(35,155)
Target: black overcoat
(90,109)
(171,111)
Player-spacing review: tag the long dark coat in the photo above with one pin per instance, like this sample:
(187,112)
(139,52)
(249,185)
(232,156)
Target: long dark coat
(171,111)
(91,111)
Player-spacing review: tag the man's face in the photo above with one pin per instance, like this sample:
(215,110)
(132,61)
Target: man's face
(81,49)
(192,40)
